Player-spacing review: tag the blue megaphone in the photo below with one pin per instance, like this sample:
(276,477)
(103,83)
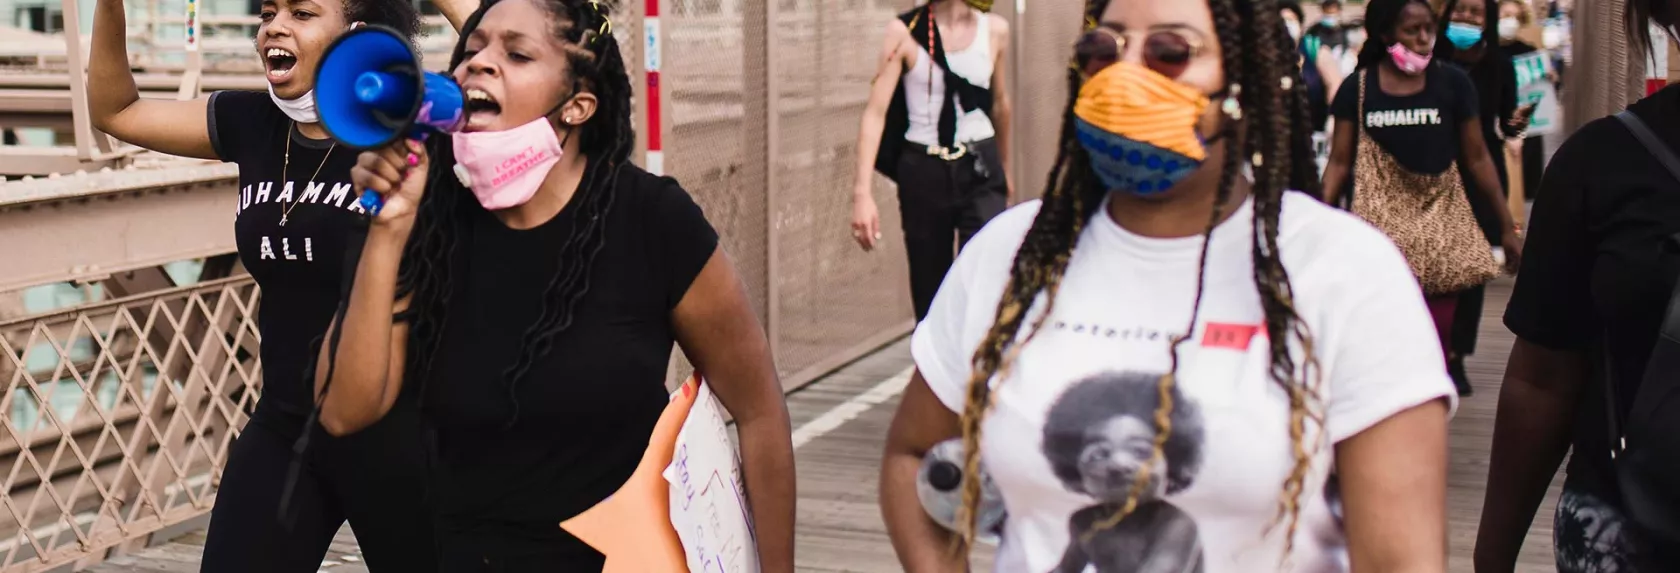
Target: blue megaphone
(370,89)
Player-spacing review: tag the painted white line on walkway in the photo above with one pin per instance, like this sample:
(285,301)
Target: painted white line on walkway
(851,409)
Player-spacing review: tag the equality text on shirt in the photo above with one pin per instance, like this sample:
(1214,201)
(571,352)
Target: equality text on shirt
(1403,117)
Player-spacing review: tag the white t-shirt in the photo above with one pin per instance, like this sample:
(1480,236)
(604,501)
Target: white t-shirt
(1074,420)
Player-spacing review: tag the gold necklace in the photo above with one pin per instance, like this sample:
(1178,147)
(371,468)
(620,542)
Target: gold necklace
(286,214)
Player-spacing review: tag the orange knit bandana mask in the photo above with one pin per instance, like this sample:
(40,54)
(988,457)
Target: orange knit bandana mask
(1139,128)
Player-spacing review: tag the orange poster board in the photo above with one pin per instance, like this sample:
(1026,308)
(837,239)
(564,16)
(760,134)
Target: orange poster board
(685,507)
(633,526)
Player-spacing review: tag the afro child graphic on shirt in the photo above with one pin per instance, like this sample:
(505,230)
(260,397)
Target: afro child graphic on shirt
(1097,437)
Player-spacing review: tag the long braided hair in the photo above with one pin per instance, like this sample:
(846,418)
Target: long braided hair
(1260,64)
(606,139)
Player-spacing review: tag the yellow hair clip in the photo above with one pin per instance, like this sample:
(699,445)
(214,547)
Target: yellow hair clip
(606,21)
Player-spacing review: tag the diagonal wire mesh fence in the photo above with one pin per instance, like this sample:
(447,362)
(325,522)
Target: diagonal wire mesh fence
(119,415)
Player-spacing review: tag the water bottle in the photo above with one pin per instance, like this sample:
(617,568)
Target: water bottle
(939,487)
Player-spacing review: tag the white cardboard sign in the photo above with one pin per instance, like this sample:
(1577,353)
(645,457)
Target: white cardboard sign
(708,502)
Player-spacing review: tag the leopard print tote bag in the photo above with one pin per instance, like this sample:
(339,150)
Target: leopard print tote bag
(1427,216)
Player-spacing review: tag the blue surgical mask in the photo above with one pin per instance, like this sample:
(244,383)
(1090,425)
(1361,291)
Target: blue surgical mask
(1463,36)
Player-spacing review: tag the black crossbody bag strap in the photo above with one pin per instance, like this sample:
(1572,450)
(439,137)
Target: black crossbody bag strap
(1671,317)
(957,88)
(898,113)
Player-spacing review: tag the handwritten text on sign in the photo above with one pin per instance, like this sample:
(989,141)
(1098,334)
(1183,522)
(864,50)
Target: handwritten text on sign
(708,503)
(1534,88)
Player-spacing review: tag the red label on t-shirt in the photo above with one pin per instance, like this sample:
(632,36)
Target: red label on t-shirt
(1227,335)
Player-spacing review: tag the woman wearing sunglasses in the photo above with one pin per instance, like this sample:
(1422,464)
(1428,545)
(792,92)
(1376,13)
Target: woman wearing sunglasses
(1174,361)
(1406,128)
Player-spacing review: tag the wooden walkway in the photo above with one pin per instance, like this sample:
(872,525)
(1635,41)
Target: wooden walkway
(840,525)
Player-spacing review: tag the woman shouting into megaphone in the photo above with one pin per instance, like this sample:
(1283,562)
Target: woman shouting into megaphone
(295,213)
(527,283)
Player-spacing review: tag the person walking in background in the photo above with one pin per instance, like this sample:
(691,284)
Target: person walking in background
(1514,16)
(1319,67)
(292,229)
(1471,30)
(1590,301)
(534,314)
(935,126)
(1330,30)
(1159,363)
(1406,126)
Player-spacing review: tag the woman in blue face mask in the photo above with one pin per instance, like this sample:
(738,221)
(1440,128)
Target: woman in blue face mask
(1471,29)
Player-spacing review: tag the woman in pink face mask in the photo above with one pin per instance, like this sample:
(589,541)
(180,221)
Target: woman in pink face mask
(529,282)
(1407,137)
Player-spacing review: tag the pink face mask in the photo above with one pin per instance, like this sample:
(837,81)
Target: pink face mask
(505,168)
(1408,61)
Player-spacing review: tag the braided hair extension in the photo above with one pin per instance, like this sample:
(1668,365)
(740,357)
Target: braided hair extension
(596,65)
(1278,160)
(1261,67)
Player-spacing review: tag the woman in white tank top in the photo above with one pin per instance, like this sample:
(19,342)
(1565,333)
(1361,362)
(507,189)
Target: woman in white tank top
(935,126)
(924,90)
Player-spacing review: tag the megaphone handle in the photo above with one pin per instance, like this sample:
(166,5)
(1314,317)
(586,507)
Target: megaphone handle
(372,202)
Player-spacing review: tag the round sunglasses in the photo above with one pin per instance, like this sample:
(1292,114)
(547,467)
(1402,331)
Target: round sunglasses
(1167,52)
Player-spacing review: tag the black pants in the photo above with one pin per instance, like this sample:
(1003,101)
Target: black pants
(943,204)
(511,548)
(372,478)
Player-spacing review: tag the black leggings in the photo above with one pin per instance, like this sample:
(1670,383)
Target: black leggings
(943,204)
(372,478)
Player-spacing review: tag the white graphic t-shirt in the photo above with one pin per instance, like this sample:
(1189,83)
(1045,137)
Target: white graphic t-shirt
(1074,421)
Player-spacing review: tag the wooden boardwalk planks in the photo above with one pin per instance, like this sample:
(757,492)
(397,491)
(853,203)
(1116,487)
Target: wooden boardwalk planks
(840,526)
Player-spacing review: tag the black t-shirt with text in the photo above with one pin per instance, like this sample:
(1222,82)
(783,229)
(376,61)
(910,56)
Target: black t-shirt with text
(299,265)
(1420,130)
(1596,273)
(587,408)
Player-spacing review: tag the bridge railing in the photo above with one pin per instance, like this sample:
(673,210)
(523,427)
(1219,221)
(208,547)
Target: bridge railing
(118,416)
